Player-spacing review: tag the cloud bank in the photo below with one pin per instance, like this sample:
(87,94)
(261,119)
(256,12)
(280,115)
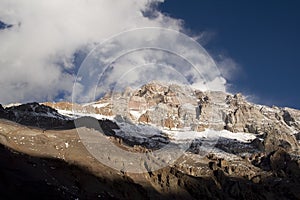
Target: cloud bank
(37,54)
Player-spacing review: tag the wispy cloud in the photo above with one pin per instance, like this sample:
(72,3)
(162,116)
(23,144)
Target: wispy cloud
(37,53)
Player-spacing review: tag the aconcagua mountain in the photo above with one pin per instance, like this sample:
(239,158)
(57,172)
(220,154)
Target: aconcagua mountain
(253,150)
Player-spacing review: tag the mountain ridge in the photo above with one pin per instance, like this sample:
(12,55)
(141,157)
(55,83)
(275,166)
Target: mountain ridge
(234,149)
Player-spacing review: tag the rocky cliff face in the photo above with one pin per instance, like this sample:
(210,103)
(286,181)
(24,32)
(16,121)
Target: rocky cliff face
(181,107)
(255,156)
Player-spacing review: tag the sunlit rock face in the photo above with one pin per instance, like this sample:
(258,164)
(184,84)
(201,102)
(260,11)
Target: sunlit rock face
(256,147)
(178,107)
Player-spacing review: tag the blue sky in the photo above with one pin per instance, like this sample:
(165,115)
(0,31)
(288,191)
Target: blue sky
(262,37)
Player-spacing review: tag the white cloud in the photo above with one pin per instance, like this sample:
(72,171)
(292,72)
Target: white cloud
(37,52)
(228,67)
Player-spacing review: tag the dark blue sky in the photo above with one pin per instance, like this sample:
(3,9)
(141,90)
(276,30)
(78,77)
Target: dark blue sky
(262,36)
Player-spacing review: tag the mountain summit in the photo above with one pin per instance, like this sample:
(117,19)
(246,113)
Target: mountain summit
(234,149)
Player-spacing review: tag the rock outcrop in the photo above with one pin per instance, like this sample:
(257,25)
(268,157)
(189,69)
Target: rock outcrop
(181,107)
(258,159)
